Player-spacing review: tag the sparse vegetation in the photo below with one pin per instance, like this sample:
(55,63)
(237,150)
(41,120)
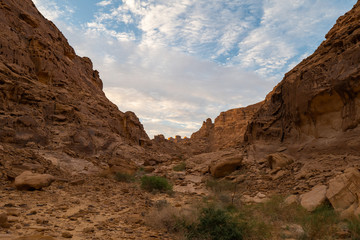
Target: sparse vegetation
(214,224)
(354,227)
(218,186)
(155,183)
(212,219)
(124,177)
(320,223)
(223,191)
(180,167)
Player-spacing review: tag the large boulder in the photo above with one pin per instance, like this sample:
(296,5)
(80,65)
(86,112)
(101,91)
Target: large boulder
(313,199)
(33,181)
(219,163)
(279,160)
(225,166)
(122,166)
(344,192)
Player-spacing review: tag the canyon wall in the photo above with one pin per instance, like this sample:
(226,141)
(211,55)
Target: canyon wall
(54,116)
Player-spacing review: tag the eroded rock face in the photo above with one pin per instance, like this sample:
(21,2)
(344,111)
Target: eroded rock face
(320,97)
(49,96)
(227,130)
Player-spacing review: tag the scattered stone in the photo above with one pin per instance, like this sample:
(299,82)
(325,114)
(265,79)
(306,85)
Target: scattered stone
(313,199)
(31,181)
(279,174)
(4,220)
(292,231)
(12,219)
(88,230)
(292,199)
(66,235)
(12,212)
(279,160)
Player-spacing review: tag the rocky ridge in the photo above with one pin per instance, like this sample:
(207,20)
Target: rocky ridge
(228,129)
(51,100)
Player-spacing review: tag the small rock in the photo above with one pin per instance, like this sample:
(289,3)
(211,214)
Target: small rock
(279,174)
(4,220)
(66,235)
(293,231)
(260,195)
(88,230)
(12,219)
(292,199)
(279,160)
(13,212)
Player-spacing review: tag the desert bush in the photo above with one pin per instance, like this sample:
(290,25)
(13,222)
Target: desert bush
(354,227)
(320,223)
(165,217)
(155,183)
(124,177)
(180,167)
(214,224)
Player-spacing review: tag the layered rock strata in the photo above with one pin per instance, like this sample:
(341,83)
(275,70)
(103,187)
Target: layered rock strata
(227,130)
(50,97)
(320,97)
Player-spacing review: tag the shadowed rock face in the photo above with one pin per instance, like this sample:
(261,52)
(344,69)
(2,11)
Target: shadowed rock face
(319,98)
(49,96)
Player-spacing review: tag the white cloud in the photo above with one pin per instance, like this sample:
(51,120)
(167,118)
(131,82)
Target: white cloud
(287,30)
(104,3)
(176,63)
(49,9)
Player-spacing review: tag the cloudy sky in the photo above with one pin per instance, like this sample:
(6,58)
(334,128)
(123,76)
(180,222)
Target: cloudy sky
(177,62)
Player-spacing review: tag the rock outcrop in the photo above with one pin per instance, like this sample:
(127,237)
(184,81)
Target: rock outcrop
(227,130)
(51,99)
(344,192)
(320,97)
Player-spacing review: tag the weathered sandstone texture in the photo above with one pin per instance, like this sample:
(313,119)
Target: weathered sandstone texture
(53,113)
(227,130)
(320,97)
(33,181)
(50,97)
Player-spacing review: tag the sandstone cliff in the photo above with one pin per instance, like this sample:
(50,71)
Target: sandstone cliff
(52,99)
(319,98)
(227,130)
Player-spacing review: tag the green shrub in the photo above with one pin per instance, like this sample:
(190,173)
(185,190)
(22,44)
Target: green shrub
(180,167)
(354,227)
(124,177)
(151,183)
(320,223)
(214,224)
